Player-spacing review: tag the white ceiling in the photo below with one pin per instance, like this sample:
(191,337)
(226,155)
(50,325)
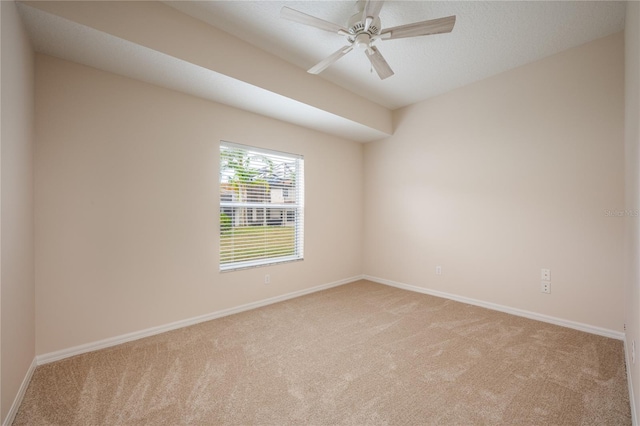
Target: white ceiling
(489,38)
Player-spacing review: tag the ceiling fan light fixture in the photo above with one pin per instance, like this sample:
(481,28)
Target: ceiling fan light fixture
(362,41)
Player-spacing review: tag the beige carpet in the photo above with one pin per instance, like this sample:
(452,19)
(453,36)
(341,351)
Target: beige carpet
(361,353)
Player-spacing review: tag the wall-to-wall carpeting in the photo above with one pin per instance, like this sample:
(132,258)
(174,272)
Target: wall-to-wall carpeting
(361,353)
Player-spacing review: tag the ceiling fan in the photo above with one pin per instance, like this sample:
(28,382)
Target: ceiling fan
(363,29)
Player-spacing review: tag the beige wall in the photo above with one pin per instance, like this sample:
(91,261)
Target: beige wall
(632,156)
(492,182)
(17,261)
(501,178)
(126,206)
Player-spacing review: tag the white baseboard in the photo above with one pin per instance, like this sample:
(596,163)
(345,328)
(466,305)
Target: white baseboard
(632,401)
(77,350)
(509,310)
(11,415)
(113,341)
(101,344)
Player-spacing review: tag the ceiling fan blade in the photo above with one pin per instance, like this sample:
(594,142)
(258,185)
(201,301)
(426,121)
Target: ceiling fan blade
(379,63)
(433,26)
(371,11)
(325,63)
(303,18)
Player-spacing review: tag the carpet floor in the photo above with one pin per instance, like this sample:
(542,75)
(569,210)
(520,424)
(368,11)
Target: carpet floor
(362,353)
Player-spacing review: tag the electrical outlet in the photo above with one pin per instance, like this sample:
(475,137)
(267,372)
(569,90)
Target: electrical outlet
(545,274)
(545,287)
(267,279)
(438,270)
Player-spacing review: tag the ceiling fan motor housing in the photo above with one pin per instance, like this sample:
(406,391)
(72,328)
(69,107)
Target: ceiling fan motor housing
(359,36)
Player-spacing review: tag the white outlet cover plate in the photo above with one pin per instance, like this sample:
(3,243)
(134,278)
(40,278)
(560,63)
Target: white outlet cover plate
(545,287)
(545,274)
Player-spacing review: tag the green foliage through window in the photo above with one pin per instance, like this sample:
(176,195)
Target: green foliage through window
(261,206)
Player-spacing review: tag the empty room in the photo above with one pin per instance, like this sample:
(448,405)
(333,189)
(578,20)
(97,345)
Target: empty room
(319,212)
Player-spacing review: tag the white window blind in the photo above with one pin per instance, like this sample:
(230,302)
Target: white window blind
(261,206)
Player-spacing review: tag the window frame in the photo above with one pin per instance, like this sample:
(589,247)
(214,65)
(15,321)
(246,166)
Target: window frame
(266,207)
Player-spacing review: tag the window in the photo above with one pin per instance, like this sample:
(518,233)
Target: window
(261,206)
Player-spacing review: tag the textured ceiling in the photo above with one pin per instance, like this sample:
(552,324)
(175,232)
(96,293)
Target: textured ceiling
(202,48)
(488,38)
